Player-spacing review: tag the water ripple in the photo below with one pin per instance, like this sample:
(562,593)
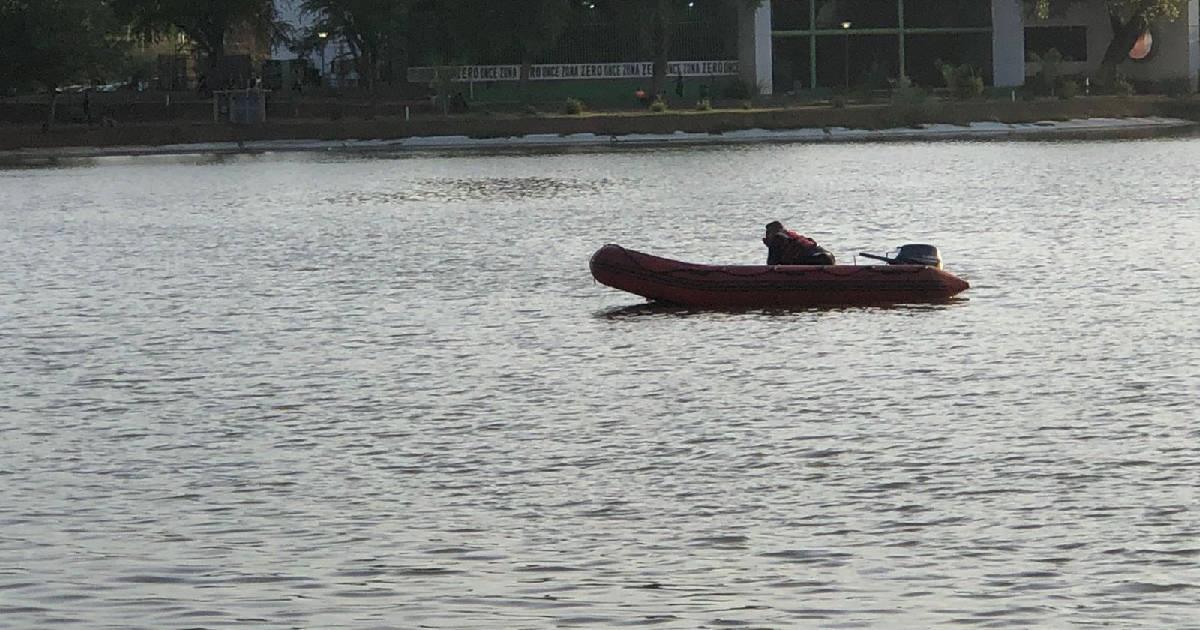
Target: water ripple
(337,391)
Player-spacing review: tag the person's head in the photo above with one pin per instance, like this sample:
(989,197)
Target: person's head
(774,227)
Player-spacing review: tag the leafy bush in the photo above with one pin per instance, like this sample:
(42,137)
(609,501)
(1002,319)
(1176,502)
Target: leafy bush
(972,87)
(876,77)
(1068,89)
(1121,86)
(658,106)
(1176,87)
(1050,66)
(907,93)
(575,107)
(738,90)
(863,94)
(1027,93)
(963,81)
(908,106)
(875,80)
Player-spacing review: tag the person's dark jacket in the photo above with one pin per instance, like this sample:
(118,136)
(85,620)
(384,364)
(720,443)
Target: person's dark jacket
(789,248)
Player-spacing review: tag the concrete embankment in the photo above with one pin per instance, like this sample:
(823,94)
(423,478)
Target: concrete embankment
(1082,117)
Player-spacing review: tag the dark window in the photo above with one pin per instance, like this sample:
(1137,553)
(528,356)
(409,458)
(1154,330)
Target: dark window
(857,61)
(792,15)
(789,15)
(859,13)
(792,65)
(924,52)
(947,14)
(1071,41)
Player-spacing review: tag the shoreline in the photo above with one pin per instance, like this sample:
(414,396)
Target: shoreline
(1070,129)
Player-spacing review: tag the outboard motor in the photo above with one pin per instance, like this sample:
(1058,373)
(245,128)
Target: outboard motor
(912,254)
(918,254)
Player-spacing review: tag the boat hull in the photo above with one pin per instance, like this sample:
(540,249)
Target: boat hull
(764,286)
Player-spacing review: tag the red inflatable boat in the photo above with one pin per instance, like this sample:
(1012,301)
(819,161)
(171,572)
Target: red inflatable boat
(756,286)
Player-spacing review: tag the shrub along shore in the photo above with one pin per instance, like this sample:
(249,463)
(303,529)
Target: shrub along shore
(384,123)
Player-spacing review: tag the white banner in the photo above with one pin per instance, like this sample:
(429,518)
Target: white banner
(574,71)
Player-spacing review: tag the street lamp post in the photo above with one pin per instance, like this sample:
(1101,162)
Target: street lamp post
(846,36)
(322,35)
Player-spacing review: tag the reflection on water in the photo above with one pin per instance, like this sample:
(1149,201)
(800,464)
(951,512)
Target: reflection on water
(347,391)
(483,189)
(661,309)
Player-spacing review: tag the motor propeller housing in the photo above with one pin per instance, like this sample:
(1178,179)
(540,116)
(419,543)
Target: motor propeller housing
(918,254)
(911,254)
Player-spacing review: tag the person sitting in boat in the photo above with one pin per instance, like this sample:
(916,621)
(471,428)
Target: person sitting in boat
(785,247)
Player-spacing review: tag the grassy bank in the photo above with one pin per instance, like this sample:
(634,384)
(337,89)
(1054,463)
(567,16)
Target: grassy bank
(491,125)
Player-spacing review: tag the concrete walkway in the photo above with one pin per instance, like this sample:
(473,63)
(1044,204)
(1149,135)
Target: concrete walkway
(1097,128)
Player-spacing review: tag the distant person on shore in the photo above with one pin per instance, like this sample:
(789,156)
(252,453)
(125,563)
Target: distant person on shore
(785,247)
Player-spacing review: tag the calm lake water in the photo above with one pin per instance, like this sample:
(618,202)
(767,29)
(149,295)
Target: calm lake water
(320,390)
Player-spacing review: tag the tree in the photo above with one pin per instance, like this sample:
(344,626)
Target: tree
(373,30)
(658,19)
(655,21)
(1129,20)
(206,23)
(50,43)
(519,30)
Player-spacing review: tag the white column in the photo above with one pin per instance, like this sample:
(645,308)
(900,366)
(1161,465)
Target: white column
(1193,39)
(754,47)
(1008,43)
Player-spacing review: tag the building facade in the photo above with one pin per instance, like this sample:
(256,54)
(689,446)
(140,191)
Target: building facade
(798,46)
(822,44)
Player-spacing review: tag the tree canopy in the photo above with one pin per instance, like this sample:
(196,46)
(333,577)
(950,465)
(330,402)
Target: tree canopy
(55,42)
(59,40)
(206,23)
(373,30)
(1124,9)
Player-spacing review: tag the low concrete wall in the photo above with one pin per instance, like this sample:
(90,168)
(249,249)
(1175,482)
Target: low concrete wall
(483,126)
